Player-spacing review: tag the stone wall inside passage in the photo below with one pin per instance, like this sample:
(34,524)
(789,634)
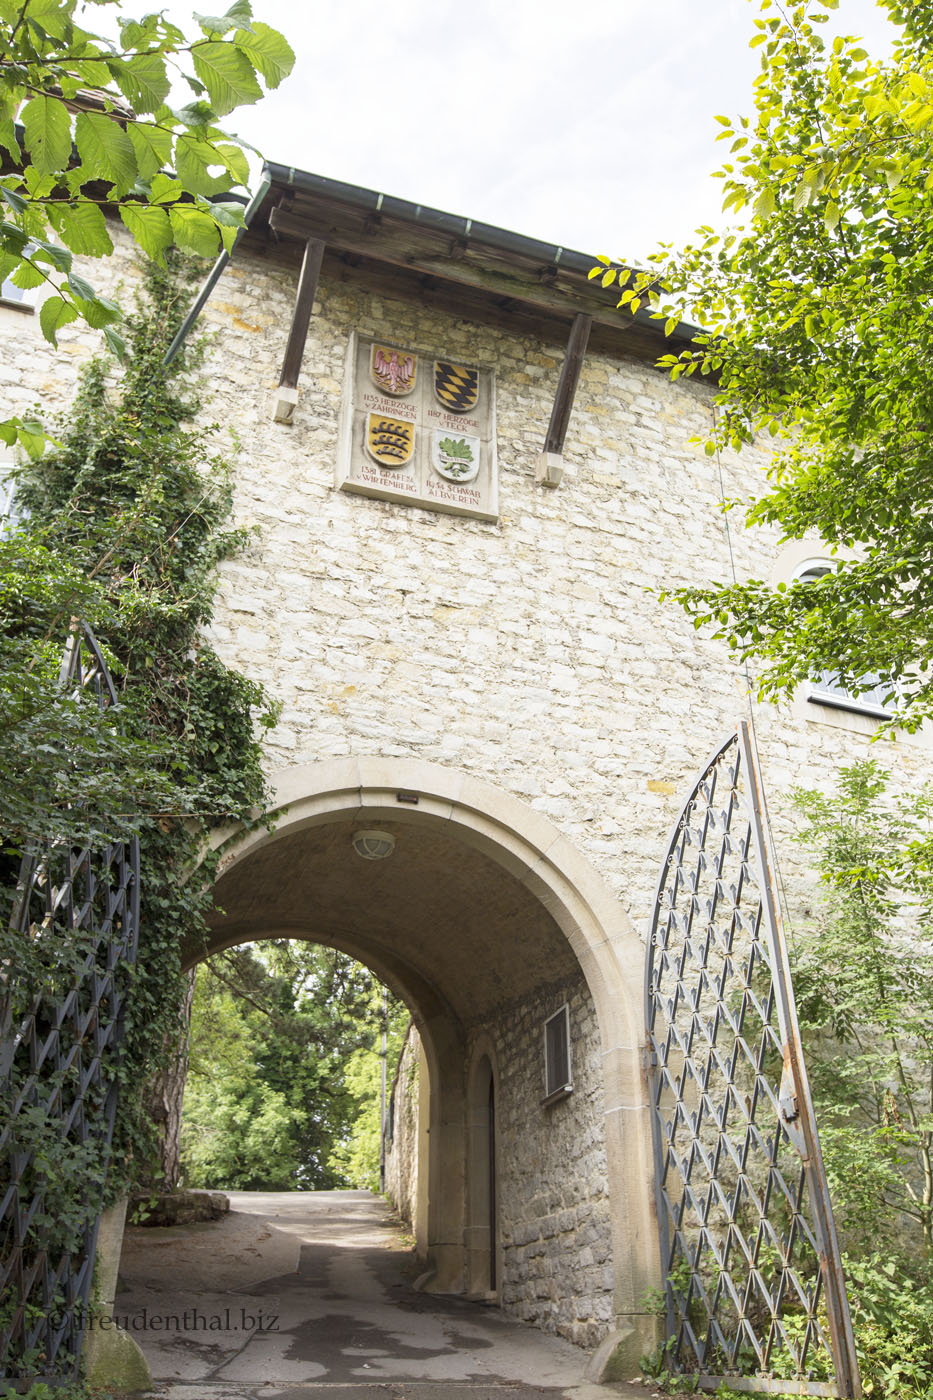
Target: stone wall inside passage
(552,1199)
(555,1250)
(401,1146)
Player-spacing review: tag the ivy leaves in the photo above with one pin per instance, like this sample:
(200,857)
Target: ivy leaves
(123,524)
(87,125)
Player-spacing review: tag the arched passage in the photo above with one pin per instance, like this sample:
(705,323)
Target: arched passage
(482,918)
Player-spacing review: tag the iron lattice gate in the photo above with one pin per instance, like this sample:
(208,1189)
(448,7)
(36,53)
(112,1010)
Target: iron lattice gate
(61,1023)
(754,1290)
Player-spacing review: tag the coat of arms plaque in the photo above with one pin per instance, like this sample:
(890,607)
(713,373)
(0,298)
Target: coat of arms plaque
(418,438)
(389,441)
(394,371)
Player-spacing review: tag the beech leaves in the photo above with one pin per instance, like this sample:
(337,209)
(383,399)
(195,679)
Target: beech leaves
(86,125)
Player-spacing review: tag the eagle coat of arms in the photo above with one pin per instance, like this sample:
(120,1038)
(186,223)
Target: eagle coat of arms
(393,371)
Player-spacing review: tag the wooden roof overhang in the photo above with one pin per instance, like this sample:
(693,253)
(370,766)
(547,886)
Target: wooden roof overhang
(483,270)
(454,264)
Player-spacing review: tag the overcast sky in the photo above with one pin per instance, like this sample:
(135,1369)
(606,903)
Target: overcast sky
(589,126)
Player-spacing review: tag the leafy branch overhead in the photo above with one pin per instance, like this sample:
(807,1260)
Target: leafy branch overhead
(817,331)
(86,125)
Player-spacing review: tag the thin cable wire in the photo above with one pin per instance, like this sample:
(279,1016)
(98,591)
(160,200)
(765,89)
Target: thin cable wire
(788,922)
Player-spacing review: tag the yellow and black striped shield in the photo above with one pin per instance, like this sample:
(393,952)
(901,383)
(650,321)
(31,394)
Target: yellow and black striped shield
(456,386)
(389,441)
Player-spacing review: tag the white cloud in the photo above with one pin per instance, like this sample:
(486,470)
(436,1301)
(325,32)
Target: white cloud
(597,134)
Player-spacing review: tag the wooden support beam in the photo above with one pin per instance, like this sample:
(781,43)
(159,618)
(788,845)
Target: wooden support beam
(567,384)
(550,467)
(301,316)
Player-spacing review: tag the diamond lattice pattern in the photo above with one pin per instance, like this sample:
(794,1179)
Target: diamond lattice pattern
(741,1260)
(61,1017)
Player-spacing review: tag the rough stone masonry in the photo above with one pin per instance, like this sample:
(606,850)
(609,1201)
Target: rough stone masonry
(530,651)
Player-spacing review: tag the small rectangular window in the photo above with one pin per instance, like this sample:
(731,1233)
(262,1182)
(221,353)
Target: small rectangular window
(557,1074)
(825,688)
(15,298)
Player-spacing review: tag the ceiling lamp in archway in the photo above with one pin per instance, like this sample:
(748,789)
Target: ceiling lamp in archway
(373,845)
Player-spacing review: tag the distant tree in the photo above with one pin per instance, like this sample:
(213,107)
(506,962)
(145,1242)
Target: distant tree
(818,330)
(356,1156)
(863,972)
(864,978)
(237,1131)
(86,126)
(275,1097)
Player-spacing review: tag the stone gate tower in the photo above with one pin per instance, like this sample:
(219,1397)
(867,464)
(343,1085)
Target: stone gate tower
(468,484)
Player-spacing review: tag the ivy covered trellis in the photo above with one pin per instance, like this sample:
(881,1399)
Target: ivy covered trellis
(124,525)
(62,1024)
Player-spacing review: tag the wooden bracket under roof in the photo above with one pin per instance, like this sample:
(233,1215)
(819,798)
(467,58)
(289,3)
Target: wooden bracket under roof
(479,272)
(479,276)
(461,268)
(286,395)
(550,468)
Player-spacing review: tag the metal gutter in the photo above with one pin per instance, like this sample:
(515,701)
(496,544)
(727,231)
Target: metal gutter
(451,225)
(213,277)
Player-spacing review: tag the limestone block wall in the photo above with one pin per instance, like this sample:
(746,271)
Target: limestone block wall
(552,1192)
(401,1149)
(532,652)
(555,1249)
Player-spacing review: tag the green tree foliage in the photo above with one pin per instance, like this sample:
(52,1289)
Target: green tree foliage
(863,975)
(86,124)
(281,1092)
(125,525)
(356,1155)
(817,326)
(39,722)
